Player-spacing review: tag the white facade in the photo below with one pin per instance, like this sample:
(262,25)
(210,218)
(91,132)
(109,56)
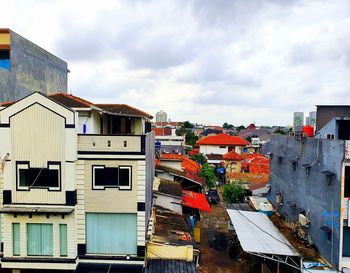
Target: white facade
(216,149)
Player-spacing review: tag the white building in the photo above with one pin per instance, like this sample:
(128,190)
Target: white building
(76,179)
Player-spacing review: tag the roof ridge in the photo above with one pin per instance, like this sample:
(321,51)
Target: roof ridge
(76,98)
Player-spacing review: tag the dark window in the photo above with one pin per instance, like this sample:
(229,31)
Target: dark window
(347,182)
(344,129)
(105,177)
(346,241)
(111,177)
(222,147)
(127,126)
(124,176)
(148,127)
(5,59)
(38,177)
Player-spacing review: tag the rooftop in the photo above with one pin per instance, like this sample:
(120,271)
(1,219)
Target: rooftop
(123,109)
(223,139)
(233,156)
(187,174)
(170,266)
(170,187)
(171,228)
(72,101)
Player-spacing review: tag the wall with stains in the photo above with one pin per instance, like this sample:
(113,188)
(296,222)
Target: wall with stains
(305,189)
(31,69)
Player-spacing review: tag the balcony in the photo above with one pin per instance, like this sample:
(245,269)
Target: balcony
(109,144)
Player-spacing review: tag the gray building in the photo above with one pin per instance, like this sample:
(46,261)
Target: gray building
(26,67)
(298,121)
(333,121)
(161,116)
(310,185)
(311,119)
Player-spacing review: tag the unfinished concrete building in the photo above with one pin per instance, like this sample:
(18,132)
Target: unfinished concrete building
(26,67)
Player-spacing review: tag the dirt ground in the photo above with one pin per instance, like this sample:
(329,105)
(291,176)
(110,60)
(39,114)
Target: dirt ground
(215,244)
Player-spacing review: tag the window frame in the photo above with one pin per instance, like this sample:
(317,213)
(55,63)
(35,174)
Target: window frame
(118,186)
(25,165)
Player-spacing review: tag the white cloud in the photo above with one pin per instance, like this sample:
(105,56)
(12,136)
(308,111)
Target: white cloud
(199,60)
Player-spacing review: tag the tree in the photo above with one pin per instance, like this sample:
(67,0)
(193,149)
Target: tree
(228,126)
(208,175)
(239,128)
(191,139)
(180,131)
(183,129)
(187,125)
(200,158)
(233,193)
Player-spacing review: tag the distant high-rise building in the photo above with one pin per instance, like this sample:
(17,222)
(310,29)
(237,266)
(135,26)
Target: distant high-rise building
(26,67)
(161,116)
(298,121)
(311,119)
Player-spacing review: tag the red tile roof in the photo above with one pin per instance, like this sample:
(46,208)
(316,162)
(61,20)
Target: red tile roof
(123,109)
(70,100)
(186,164)
(233,156)
(187,174)
(223,139)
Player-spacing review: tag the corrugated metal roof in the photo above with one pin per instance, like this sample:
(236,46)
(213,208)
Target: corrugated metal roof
(170,266)
(257,234)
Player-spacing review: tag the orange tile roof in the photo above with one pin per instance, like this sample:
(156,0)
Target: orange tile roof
(123,109)
(70,100)
(187,164)
(223,139)
(233,156)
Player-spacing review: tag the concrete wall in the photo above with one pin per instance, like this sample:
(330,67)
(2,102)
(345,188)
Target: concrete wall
(32,69)
(211,149)
(330,128)
(327,112)
(310,193)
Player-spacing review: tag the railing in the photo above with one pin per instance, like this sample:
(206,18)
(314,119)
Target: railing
(111,143)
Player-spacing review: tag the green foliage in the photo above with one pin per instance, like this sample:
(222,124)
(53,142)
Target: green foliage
(239,128)
(191,139)
(187,125)
(183,129)
(207,173)
(200,158)
(233,193)
(280,131)
(180,131)
(228,126)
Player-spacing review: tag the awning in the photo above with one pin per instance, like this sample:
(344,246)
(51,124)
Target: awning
(257,234)
(195,200)
(36,210)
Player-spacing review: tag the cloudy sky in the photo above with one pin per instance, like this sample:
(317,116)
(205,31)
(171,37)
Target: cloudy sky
(200,60)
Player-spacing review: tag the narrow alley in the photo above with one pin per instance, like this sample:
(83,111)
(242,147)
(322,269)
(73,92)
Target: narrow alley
(215,244)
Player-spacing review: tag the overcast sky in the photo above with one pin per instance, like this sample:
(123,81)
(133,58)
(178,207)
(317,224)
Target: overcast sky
(207,61)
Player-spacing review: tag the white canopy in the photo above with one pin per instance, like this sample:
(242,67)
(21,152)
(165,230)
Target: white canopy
(257,234)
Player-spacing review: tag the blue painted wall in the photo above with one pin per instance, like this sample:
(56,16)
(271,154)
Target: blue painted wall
(31,68)
(310,193)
